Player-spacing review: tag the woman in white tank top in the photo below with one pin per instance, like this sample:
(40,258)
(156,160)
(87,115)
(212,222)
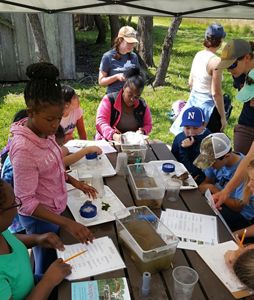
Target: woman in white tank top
(205,79)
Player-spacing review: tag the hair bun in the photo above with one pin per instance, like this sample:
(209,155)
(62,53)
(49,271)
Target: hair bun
(42,70)
(132,72)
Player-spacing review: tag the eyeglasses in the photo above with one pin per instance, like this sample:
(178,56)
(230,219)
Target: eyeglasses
(17,204)
(234,64)
(249,80)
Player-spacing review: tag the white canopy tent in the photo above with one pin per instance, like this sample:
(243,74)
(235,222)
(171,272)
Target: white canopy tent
(231,9)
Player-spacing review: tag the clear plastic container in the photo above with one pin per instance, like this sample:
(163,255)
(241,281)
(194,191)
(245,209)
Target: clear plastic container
(135,153)
(146,184)
(151,244)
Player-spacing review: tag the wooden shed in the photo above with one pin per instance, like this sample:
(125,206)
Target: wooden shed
(18,48)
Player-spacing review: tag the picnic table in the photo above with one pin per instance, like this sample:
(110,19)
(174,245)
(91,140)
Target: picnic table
(208,287)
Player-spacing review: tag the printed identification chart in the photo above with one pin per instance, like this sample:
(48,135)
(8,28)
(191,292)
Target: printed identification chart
(192,229)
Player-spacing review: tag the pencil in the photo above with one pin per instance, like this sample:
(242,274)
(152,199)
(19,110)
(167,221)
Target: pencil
(75,255)
(243,237)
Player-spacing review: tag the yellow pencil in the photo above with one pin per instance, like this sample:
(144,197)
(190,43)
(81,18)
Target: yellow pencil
(243,237)
(75,255)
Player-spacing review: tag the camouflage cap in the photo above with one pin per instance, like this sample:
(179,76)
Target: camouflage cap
(212,147)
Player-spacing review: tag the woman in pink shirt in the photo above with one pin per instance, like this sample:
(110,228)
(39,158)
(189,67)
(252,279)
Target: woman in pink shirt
(125,110)
(39,173)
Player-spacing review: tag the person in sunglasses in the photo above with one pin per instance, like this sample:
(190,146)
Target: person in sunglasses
(205,80)
(238,58)
(219,164)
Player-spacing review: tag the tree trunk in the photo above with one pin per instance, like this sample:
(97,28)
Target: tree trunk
(166,52)
(39,37)
(145,34)
(101,26)
(114,27)
(129,20)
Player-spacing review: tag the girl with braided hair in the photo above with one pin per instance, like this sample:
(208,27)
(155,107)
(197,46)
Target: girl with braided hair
(39,173)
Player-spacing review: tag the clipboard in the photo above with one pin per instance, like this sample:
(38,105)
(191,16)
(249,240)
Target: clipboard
(210,201)
(213,256)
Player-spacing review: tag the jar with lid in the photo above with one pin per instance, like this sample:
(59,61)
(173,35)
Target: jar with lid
(168,169)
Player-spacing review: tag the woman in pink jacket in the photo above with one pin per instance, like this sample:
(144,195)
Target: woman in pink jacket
(125,110)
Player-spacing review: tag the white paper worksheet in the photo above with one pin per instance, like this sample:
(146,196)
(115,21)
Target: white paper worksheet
(101,257)
(214,257)
(192,229)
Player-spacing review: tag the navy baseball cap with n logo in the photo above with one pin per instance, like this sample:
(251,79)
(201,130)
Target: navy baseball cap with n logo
(193,116)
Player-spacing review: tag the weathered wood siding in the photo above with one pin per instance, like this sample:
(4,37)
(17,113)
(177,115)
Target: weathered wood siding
(18,48)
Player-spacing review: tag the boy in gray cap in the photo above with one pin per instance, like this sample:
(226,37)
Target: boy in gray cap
(219,164)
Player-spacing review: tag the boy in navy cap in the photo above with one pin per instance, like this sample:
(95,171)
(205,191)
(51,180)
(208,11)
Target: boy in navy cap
(187,143)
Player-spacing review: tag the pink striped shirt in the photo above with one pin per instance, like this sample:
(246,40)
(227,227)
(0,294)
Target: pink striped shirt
(38,170)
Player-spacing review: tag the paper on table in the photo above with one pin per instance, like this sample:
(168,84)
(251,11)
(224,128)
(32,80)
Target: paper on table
(193,230)
(76,199)
(75,145)
(101,257)
(214,258)
(115,288)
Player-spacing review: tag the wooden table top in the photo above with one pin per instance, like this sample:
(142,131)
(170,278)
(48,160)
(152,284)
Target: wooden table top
(208,287)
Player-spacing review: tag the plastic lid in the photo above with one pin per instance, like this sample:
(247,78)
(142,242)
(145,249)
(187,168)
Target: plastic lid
(168,167)
(91,155)
(88,210)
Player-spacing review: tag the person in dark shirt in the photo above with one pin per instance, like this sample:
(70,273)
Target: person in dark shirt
(238,58)
(187,143)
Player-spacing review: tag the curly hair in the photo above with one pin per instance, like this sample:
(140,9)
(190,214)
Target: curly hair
(212,42)
(43,87)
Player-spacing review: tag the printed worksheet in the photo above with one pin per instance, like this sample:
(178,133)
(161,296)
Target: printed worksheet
(192,229)
(101,257)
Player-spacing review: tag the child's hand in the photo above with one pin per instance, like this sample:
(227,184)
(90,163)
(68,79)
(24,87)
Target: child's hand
(87,189)
(117,137)
(231,255)
(140,130)
(92,149)
(188,142)
(79,231)
(49,240)
(56,272)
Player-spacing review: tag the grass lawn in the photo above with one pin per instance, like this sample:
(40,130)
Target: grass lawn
(188,41)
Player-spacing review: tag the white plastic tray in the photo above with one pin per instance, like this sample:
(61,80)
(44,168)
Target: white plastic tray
(76,199)
(179,169)
(103,167)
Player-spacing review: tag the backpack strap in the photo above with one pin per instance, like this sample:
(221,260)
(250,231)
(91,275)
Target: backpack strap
(139,112)
(114,113)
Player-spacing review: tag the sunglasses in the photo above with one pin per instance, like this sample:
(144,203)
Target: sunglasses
(17,204)
(234,64)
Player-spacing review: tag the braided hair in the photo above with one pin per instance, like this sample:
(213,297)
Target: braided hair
(43,88)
